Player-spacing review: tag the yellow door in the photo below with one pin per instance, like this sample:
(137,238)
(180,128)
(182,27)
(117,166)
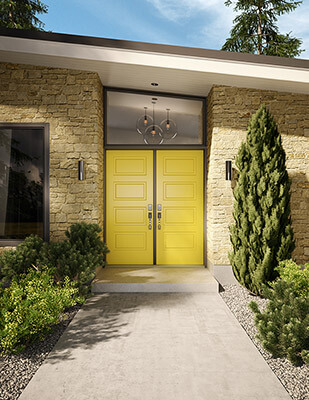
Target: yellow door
(129,191)
(179,194)
(180,197)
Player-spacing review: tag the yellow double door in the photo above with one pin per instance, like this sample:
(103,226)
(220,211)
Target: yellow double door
(154,207)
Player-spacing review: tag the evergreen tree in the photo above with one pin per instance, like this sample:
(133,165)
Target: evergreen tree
(255,29)
(21,14)
(262,234)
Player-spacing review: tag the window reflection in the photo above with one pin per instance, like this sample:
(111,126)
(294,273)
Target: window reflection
(141,119)
(21,182)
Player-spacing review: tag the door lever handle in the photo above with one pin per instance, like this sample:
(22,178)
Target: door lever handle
(159,220)
(149,220)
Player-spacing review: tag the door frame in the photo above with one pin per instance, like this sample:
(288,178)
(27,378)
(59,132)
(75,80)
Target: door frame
(202,146)
(155,197)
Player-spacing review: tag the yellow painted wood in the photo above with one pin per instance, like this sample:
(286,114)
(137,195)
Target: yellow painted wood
(180,192)
(129,190)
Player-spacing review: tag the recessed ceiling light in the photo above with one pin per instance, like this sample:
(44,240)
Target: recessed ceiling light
(154,99)
(154,84)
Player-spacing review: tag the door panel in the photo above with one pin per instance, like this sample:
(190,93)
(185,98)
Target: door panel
(129,190)
(180,193)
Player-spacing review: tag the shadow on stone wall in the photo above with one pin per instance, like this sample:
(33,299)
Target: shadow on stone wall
(300,215)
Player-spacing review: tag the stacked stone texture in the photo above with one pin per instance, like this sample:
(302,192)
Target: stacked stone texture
(71,102)
(229,111)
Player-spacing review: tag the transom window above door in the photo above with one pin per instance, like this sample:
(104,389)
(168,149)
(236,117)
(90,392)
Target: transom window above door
(153,119)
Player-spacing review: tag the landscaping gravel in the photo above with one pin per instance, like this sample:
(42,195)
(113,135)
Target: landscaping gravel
(294,379)
(17,370)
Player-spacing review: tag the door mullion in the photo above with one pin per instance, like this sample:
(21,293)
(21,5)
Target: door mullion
(154,207)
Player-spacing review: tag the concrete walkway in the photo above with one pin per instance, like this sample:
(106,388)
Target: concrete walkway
(155,346)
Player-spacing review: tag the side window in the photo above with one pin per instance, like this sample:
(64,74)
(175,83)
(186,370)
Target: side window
(23,182)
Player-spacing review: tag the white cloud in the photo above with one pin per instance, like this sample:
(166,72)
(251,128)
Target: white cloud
(211,19)
(176,10)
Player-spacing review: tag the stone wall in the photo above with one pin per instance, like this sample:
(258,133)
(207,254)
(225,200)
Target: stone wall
(71,102)
(229,110)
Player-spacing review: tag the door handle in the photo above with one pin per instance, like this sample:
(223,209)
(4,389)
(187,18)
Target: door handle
(149,216)
(159,220)
(159,216)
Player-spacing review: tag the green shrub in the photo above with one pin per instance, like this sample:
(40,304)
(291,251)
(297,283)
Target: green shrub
(283,328)
(16,262)
(86,237)
(30,306)
(78,257)
(299,275)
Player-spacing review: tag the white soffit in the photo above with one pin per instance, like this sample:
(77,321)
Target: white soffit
(137,69)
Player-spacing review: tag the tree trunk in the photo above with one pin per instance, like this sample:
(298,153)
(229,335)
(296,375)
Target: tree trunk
(260,49)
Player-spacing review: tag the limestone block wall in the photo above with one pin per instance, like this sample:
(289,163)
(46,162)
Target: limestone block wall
(229,111)
(71,102)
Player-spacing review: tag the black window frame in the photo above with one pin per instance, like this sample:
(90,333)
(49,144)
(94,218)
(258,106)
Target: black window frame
(202,145)
(45,127)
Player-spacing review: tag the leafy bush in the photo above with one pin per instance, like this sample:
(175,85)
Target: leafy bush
(283,328)
(16,262)
(299,275)
(86,237)
(30,306)
(78,257)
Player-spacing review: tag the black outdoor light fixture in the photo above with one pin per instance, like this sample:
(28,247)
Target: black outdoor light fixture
(80,170)
(228,170)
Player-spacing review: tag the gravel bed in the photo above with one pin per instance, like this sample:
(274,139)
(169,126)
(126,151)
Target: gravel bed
(294,379)
(17,370)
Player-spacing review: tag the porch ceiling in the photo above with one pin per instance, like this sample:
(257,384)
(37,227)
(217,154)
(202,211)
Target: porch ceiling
(137,66)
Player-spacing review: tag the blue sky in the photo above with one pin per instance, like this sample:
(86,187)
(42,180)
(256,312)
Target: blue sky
(194,23)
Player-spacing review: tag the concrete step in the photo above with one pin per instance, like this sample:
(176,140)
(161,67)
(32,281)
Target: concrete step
(151,279)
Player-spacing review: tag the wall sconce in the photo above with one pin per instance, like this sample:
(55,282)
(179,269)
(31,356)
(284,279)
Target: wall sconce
(80,170)
(228,170)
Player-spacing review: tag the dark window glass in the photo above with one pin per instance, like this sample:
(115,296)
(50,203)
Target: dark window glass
(141,119)
(21,182)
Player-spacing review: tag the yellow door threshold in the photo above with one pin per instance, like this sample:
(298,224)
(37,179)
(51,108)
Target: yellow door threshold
(154,279)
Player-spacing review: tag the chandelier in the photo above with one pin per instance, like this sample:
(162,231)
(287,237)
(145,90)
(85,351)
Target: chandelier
(153,133)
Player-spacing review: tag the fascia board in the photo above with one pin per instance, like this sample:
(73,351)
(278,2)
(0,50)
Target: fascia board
(170,61)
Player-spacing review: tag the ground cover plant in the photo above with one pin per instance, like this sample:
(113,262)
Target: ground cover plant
(31,305)
(262,234)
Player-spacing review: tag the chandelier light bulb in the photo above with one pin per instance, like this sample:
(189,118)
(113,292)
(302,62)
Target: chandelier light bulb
(168,125)
(145,117)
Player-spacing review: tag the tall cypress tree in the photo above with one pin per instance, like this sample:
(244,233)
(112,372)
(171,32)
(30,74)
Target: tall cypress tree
(262,234)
